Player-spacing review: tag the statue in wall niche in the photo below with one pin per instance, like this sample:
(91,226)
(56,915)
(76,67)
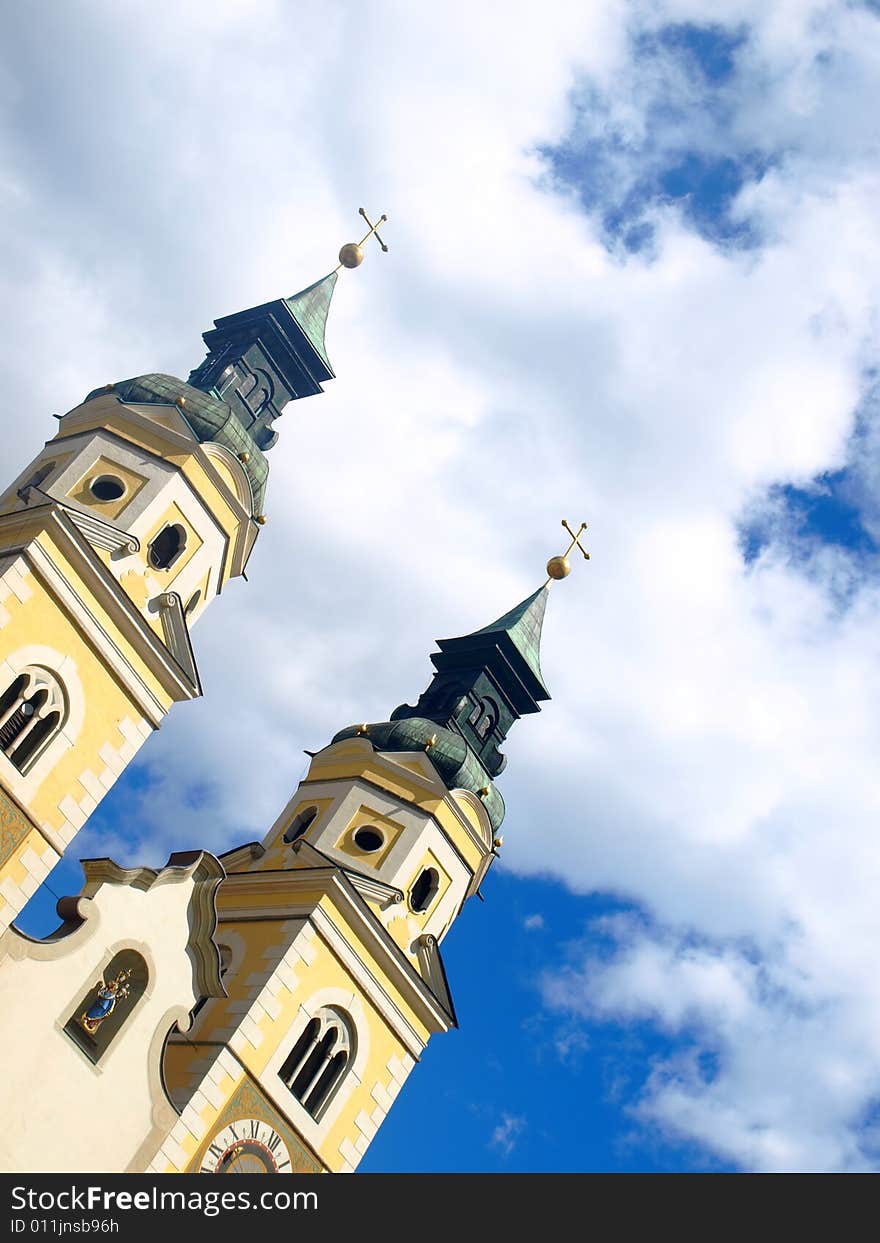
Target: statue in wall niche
(105,1002)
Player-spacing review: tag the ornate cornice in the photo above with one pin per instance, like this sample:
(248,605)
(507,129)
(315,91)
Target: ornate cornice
(290,894)
(206,872)
(25,526)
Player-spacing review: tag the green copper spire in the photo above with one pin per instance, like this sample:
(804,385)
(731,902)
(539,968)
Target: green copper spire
(485,681)
(522,624)
(261,359)
(309,308)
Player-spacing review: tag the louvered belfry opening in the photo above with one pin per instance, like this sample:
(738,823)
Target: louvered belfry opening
(316,1064)
(32,711)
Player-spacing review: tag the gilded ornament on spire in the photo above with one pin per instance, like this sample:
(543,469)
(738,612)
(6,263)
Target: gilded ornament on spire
(352,253)
(560,567)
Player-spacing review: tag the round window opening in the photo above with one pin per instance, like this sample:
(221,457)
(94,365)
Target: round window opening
(368,839)
(107,488)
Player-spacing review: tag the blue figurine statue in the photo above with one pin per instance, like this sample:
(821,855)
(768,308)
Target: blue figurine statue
(105,1002)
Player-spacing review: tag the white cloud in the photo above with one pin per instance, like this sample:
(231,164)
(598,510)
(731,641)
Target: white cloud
(533,923)
(710,749)
(764,1030)
(506,1134)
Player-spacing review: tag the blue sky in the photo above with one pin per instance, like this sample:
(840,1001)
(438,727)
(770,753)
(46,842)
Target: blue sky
(633,279)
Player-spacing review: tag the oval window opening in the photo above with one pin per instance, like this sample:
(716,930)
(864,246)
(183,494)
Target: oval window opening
(368,839)
(424,890)
(107,488)
(167,547)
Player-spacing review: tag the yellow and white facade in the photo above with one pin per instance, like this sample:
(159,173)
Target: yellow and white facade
(316,932)
(321,931)
(259,1012)
(310,983)
(113,541)
(93,621)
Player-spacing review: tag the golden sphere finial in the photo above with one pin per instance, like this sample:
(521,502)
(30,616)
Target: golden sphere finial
(351,255)
(559,567)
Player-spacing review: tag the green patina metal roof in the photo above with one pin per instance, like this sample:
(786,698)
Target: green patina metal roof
(309,308)
(454,760)
(209,418)
(509,649)
(523,625)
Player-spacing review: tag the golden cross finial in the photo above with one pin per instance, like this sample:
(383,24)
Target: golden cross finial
(560,567)
(352,253)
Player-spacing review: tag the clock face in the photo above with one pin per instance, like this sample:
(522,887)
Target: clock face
(246,1146)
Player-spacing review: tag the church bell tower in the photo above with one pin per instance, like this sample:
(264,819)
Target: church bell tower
(113,541)
(261,1011)
(330,929)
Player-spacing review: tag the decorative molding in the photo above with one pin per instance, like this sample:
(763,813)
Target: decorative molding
(176,633)
(244,493)
(431,967)
(206,872)
(129,622)
(173,442)
(15,825)
(484,836)
(365,756)
(372,887)
(384,1000)
(102,412)
(276,893)
(247,1101)
(367,886)
(241,856)
(98,531)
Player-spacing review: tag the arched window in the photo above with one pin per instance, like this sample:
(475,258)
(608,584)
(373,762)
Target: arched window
(259,400)
(167,546)
(107,1002)
(487,719)
(33,709)
(317,1062)
(255,391)
(300,823)
(424,890)
(483,716)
